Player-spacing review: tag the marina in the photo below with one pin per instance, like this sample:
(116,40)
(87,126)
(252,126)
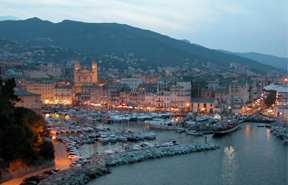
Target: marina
(243,151)
(139,142)
(251,155)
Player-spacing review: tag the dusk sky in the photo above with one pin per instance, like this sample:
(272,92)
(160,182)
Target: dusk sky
(237,26)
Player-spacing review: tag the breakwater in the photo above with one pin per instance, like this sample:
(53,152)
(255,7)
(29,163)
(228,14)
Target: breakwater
(98,165)
(154,153)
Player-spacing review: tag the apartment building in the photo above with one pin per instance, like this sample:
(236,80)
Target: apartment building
(173,93)
(132,83)
(203,105)
(28,100)
(44,87)
(238,92)
(63,93)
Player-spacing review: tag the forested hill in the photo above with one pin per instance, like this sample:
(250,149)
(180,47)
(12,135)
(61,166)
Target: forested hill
(106,38)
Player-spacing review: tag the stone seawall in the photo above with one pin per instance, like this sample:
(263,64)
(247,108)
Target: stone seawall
(154,153)
(98,166)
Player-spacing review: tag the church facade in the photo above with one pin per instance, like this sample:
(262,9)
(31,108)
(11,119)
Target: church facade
(84,76)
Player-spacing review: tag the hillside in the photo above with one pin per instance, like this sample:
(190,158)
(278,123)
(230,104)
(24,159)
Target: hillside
(107,38)
(278,62)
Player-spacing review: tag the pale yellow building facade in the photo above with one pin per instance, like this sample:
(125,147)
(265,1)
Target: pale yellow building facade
(84,76)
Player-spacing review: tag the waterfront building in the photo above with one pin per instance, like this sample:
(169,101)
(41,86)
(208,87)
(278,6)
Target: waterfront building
(63,93)
(238,92)
(281,112)
(117,93)
(44,87)
(98,94)
(28,100)
(173,93)
(281,92)
(203,105)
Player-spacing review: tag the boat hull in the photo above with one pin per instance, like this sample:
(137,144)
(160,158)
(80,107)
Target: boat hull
(225,131)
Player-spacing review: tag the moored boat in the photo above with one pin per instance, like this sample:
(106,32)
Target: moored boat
(159,123)
(227,129)
(194,132)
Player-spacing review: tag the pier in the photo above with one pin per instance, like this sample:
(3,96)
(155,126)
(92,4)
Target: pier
(99,165)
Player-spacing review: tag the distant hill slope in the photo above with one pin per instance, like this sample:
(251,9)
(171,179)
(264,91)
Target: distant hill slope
(278,62)
(106,38)
(266,59)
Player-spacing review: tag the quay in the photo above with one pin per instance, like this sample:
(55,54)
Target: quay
(99,165)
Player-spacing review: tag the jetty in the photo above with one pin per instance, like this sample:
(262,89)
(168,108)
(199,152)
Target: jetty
(99,165)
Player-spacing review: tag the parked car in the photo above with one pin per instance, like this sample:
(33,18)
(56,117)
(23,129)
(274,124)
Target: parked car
(35,178)
(75,164)
(29,183)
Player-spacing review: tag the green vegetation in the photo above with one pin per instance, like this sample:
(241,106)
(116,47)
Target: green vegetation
(270,99)
(98,39)
(21,131)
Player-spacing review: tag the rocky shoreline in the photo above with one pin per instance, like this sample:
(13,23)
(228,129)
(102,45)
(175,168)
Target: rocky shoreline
(98,166)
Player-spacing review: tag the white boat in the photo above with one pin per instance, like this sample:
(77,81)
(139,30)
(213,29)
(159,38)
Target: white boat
(103,138)
(171,142)
(121,138)
(119,150)
(180,130)
(147,145)
(112,138)
(109,152)
(193,132)
(101,128)
(159,123)
(149,135)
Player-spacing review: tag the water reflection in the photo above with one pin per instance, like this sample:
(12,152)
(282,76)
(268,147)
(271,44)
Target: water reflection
(268,134)
(247,132)
(230,166)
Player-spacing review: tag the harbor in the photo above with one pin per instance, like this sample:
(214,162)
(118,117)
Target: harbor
(110,154)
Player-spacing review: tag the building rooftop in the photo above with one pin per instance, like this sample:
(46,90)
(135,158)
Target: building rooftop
(25,93)
(278,88)
(205,100)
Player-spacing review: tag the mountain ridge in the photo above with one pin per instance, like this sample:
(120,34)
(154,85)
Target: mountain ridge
(103,38)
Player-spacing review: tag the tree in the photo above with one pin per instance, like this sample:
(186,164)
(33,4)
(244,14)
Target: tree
(47,150)
(21,130)
(7,88)
(270,99)
(6,111)
(7,99)
(32,123)
(16,145)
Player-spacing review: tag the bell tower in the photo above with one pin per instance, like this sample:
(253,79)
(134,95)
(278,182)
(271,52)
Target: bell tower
(77,82)
(95,72)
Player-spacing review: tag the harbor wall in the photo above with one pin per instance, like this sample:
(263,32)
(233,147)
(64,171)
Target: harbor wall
(99,165)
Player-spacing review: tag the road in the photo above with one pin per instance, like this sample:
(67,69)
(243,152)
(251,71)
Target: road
(61,162)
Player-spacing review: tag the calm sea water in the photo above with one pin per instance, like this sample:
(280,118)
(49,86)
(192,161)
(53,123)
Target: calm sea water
(249,156)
